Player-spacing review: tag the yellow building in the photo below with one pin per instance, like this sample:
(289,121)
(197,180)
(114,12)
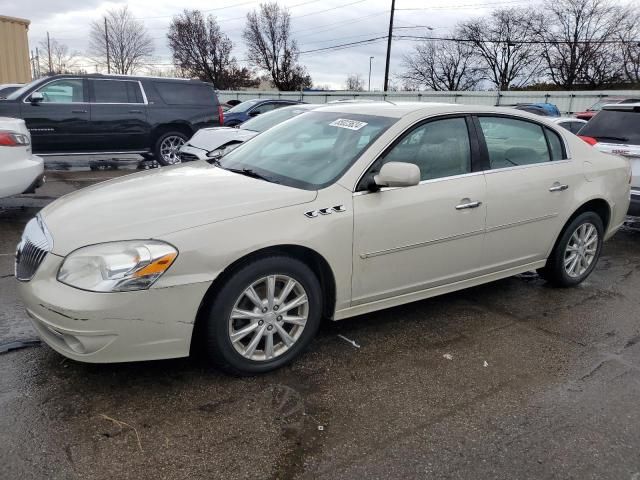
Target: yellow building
(14,50)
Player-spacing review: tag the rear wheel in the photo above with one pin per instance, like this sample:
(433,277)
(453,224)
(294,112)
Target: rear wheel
(264,316)
(167,148)
(577,251)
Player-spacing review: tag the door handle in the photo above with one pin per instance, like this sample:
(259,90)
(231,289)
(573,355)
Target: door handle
(556,187)
(135,111)
(78,111)
(462,206)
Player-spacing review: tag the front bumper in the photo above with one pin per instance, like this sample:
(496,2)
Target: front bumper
(190,154)
(111,327)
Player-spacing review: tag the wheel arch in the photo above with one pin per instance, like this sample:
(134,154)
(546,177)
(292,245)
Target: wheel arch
(597,205)
(182,127)
(310,257)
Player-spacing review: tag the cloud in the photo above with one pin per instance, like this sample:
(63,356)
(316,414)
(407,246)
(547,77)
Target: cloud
(68,21)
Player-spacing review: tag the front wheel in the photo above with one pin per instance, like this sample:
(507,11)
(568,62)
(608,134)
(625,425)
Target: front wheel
(167,148)
(264,316)
(577,251)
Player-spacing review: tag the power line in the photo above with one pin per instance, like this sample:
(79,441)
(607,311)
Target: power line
(344,45)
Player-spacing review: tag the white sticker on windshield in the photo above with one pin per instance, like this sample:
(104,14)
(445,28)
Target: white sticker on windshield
(349,124)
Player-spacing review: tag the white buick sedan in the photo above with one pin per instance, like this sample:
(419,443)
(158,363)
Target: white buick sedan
(338,212)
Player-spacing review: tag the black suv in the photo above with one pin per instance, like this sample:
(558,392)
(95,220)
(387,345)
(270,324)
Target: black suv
(98,114)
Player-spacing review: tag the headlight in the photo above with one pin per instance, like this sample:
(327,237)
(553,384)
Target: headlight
(117,266)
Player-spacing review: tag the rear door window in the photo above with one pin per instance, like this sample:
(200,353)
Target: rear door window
(116,91)
(614,126)
(185,93)
(513,142)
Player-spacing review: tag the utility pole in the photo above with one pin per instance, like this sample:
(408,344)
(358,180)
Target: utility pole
(33,65)
(386,67)
(370,58)
(106,40)
(38,62)
(49,52)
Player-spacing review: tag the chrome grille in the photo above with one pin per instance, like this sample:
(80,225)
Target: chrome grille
(32,249)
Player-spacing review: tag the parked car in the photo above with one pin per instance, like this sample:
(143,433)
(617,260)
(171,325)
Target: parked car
(251,108)
(590,112)
(570,123)
(7,88)
(98,114)
(214,142)
(341,211)
(616,130)
(20,170)
(543,109)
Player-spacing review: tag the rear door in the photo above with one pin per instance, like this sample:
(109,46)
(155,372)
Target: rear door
(118,115)
(60,122)
(530,185)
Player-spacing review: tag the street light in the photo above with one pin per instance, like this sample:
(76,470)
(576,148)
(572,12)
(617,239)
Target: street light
(370,58)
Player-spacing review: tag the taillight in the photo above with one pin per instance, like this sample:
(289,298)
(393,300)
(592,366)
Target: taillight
(220,115)
(13,139)
(590,140)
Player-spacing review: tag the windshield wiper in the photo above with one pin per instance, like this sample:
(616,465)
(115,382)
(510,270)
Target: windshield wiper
(249,173)
(242,171)
(621,139)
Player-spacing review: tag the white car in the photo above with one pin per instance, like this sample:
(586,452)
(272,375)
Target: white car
(20,170)
(7,88)
(341,211)
(574,125)
(616,130)
(209,143)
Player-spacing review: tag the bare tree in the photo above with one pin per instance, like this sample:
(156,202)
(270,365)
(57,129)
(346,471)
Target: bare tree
(354,83)
(503,42)
(62,59)
(271,47)
(200,49)
(442,65)
(576,37)
(130,46)
(630,48)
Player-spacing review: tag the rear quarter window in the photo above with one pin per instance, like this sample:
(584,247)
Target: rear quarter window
(178,93)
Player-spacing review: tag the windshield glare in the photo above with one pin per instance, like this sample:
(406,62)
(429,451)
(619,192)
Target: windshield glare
(243,107)
(267,120)
(310,152)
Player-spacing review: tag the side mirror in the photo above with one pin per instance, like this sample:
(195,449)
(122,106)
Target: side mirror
(36,97)
(398,174)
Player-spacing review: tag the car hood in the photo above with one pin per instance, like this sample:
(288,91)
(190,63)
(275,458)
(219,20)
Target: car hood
(151,204)
(212,138)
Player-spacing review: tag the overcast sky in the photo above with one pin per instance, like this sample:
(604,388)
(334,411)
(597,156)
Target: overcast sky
(315,24)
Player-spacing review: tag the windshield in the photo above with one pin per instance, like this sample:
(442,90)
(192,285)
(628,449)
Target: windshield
(614,126)
(243,107)
(270,119)
(310,152)
(16,94)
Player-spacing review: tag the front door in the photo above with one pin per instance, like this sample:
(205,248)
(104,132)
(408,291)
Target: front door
(530,184)
(415,238)
(60,122)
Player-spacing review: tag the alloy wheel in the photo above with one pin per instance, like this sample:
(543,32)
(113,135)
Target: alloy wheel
(581,250)
(170,149)
(268,318)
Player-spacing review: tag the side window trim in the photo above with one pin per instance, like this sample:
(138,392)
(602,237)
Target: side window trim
(92,95)
(473,144)
(485,151)
(85,91)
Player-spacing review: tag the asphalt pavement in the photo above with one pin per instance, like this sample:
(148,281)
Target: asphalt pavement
(513,379)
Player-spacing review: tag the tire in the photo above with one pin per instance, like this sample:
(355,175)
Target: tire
(572,239)
(249,353)
(166,148)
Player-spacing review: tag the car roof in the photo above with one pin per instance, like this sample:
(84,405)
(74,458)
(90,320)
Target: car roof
(567,119)
(400,109)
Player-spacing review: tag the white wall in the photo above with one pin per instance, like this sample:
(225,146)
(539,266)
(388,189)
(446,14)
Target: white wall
(567,102)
